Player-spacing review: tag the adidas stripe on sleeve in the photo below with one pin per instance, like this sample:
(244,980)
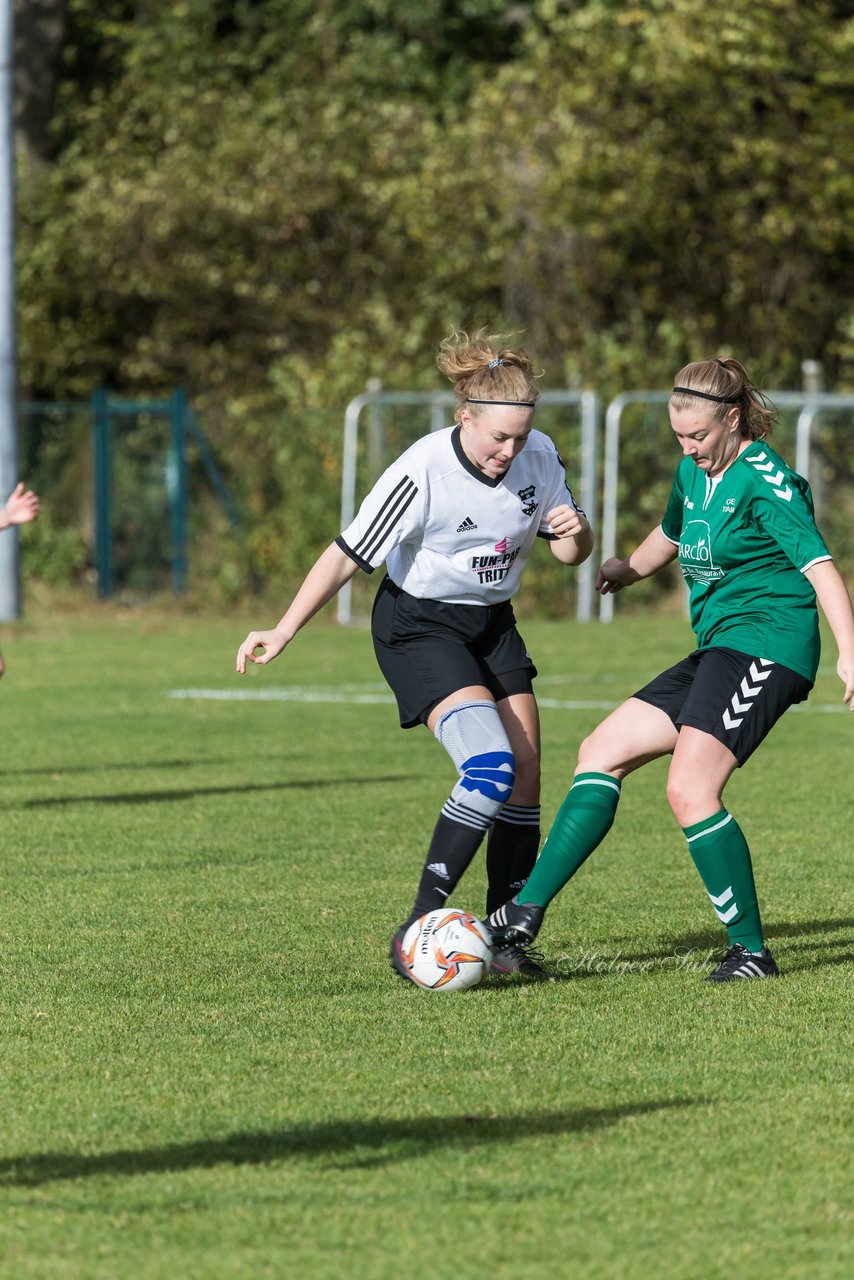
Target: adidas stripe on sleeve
(392,512)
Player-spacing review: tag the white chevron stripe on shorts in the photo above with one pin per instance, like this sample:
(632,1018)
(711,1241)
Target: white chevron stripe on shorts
(736,711)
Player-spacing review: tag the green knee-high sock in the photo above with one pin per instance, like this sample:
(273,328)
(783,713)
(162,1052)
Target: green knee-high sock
(721,856)
(582,822)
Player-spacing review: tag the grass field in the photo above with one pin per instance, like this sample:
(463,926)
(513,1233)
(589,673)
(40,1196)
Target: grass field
(210,1071)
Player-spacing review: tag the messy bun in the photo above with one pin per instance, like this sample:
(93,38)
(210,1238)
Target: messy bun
(485,367)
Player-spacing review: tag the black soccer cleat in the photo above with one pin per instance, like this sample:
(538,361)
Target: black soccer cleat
(395,954)
(741,963)
(511,958)
(517,922)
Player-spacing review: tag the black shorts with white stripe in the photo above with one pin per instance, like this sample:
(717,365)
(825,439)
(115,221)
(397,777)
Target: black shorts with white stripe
(736,697)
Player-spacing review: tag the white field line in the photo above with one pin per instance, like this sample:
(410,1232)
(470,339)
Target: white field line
(373,695)
(355,695)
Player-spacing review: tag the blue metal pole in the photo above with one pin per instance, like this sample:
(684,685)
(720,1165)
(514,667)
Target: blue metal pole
(209,463)
(176,484)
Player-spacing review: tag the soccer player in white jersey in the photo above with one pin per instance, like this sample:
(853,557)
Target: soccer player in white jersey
(454,519)
(741,523)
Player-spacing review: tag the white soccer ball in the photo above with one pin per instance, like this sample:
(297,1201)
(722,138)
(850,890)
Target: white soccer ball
(447,950)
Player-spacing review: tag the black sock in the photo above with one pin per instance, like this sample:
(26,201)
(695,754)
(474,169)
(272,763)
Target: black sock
(451,850)
(511,852)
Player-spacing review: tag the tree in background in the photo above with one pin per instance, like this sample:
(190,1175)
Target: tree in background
(270,202)
(683,185)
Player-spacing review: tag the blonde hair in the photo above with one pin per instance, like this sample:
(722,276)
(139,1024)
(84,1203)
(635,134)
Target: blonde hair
(725,383)
(485,367)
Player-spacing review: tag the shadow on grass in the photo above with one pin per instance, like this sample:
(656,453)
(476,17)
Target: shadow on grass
(716,939)
(698,952)
(364,1143)
(193,793)
(111,766)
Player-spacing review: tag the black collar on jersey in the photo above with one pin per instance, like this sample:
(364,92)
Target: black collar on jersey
(705,395)
(492,482)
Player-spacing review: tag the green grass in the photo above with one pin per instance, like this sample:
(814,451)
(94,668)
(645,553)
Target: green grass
(209,1070)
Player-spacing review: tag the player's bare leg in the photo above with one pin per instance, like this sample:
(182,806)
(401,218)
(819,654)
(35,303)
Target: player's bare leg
(632,735)
(700,769)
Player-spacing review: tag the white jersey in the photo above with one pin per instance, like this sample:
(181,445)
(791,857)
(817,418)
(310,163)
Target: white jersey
(448,532)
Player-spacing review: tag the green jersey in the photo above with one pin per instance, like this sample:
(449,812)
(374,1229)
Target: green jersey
(745,539)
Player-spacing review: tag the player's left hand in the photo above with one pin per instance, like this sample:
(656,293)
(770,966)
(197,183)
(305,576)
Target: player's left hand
(566,522)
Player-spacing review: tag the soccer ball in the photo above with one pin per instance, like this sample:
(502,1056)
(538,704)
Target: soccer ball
(447,950)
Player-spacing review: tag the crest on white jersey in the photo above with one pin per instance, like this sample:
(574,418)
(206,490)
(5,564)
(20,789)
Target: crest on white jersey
(529,499)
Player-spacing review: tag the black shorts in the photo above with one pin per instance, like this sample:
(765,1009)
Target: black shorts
(734,696)
(427,649)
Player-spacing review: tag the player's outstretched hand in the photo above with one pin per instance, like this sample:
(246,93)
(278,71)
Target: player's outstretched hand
(272,643)
(22,505)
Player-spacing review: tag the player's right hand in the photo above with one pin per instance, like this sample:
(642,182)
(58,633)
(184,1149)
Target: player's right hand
(272,643)
(611,577)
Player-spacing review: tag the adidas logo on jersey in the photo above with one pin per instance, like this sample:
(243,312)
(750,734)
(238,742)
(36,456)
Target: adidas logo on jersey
(467,525)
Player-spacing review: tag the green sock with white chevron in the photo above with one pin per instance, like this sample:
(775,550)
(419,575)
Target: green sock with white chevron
(722,857)
(582,822)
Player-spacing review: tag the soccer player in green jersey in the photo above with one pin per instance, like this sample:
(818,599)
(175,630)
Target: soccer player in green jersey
(742,524)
